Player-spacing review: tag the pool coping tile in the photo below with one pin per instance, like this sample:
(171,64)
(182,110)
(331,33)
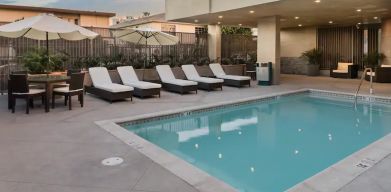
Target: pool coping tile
(347,169)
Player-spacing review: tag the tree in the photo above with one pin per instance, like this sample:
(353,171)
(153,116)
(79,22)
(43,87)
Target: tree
(229,30)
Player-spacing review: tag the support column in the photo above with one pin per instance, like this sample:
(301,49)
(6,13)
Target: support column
(268,46)
(214,41)
(386,41)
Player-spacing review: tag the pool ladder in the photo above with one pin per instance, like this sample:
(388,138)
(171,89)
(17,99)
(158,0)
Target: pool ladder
(362,79)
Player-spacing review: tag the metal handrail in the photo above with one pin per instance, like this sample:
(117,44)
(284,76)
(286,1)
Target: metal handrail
(361,81)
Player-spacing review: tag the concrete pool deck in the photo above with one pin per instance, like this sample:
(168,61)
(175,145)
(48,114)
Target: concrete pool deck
(63,150)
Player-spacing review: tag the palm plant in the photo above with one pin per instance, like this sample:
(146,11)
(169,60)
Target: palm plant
(373,59)
(313,56)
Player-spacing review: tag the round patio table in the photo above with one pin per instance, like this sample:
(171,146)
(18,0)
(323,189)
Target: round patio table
(48,81)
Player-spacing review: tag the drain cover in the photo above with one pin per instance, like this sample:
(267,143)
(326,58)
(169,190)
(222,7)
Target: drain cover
(112,161)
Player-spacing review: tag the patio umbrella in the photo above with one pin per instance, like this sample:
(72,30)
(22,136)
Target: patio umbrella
(46,27)
(146,36)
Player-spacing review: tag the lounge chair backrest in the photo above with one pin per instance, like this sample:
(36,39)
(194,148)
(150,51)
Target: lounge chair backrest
(190,72)
(344,66)
(100,76)
(165,72)
(127,74)
(217,69)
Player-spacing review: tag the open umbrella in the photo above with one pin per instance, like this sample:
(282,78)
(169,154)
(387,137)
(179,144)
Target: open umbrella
(146,36)
(46,27)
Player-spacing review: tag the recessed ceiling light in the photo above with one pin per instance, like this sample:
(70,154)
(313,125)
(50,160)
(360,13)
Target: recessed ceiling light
(358,10)
(220,17)
(219,23)
(331,22)
(196,20)
(297,17)
(240,24)
(317,1)
(358,23)
(375,17)
(252,12)
(300,25)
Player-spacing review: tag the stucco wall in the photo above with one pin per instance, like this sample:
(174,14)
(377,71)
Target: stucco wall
(295,41)
(224,5)
(96,21)
(182,28)
(176,9)
(8,16)
(386,41)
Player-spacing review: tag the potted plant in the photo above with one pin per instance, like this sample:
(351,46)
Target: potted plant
(36,62)
(313,56)
(371,60)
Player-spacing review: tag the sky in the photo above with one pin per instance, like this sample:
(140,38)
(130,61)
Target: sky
(121,7)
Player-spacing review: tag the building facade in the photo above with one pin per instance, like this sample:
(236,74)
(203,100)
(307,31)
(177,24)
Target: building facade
(11,13)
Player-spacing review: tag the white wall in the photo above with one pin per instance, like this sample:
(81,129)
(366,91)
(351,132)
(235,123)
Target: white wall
(297,40)
(176,9)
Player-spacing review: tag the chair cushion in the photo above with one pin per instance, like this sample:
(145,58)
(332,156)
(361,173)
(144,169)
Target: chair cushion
(217,69)
(65,90)
(114,88)
(99,76)
(207,80)
(143,85)
(385,65)
(190,72)
(373,74)
(234,77)
(165,73)
(31,92)
(181,82)
(344,66)
(127,74)
(340,71)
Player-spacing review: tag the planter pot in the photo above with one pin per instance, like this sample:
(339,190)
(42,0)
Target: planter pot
(234,69)
(313,70)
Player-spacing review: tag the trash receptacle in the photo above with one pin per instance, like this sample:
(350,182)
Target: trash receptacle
(265,74)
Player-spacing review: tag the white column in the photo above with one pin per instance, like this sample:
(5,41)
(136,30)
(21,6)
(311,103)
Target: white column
(214,41)
(268,49)
(386,41)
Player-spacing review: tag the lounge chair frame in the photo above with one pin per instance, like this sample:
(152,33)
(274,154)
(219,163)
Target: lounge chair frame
(180,89)
(210,86)
(146,92)
(109,96)
(237,83)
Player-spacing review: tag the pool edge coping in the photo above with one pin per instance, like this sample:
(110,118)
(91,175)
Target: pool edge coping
(204,182)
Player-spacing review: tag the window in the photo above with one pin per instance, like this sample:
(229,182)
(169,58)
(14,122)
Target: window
(168,28)
(201,30)
(76,21)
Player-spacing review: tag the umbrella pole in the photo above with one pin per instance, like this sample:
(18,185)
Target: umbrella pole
(146,56)
(47,53)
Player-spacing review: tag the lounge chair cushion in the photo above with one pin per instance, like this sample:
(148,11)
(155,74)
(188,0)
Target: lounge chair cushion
(192,74)
(234,77)
(219,73)
(99,76)
(127,74)
(167,76)
(344,66)
(114,88)
(31,92)
(143,85)
(385,65)
(65,90)
(373,74)
(129,77)
(181,82)
(340,71)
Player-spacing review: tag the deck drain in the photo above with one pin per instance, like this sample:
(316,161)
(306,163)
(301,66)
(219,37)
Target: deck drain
(112,161)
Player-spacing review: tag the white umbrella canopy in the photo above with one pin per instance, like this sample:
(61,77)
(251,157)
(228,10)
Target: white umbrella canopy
(146,36)
(46,27)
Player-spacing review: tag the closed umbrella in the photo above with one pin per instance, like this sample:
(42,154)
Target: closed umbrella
(46,27)
(146,36)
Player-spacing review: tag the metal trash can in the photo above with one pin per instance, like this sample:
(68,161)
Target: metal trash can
(265,74)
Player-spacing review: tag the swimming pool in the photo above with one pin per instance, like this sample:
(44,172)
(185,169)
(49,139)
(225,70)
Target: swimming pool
(269,145)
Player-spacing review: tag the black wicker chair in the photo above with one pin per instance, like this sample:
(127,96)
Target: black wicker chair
(344,70)
(382,74)
(76,87)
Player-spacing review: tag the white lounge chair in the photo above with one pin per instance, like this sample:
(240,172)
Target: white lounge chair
(203,82)
(103,87)
(229,80)
(141,88)
(170,83)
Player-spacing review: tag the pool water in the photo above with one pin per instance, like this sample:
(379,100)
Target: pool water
(271,145)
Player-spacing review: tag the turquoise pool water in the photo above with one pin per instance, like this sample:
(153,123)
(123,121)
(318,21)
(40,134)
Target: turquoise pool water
(273,145)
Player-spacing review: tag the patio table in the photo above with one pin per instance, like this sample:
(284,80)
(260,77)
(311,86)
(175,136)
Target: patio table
(48,81)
